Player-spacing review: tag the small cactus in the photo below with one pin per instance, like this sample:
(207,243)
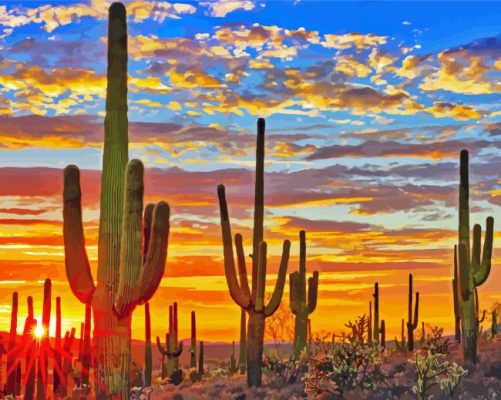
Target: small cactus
(382,332)
(193,345)
(412,323)
(402,345)
(375,333)
(172,349)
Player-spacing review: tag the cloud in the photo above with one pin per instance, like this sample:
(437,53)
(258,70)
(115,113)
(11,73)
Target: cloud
(221,8)
(455,111)
(356,40)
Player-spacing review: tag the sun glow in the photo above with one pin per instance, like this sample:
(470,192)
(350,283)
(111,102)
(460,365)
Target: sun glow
(38,331)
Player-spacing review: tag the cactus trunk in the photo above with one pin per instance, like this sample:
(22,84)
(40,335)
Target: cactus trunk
(255,348)
(57,348)
(43,366)
(412,324)
(201,359)
(86,347)
(193,346)
(148,364)
(375,334)
(30,350)
(243,342)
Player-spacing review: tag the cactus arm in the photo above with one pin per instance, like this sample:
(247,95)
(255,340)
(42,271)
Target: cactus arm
(293,297)
(464,205)
(482,271)
(147,220)
(302,266)
(152,270)
(175,353)
(261,278)
(131,243)
(278,292)
(476,245)
(416,312)
(464,271)
(75,255)
(236,293)
(312,292)
(161,349)
(242,269)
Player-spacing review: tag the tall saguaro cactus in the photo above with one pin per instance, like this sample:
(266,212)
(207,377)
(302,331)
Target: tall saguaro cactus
(474,265)
(302,307)
(86,346)
(124,280)
(252,298)
(148,362)
(42,373)
(412,323)
(242,351)
(57,348)
(193,344)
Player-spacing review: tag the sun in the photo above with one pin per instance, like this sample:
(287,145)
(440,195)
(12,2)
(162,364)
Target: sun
(38,331)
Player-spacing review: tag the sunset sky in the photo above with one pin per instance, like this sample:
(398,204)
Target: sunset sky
(367,106)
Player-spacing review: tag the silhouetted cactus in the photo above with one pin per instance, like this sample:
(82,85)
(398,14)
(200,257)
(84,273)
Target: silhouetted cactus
(474,265)
(252,300)
(457,310)
(301,306)
(422,339)
(375,333)
(382,332)
(124,280)
(45,347)
(242,364)
(10,387)
(69,337)
(148,362)
(369,324)
(477,312)
(193,344)
(233,361)
(412,323)
(402,345)
(57,349)
(172,349)
(494,323)
(29,345)
(201,359)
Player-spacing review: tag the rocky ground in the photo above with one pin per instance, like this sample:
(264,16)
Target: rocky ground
(482,383)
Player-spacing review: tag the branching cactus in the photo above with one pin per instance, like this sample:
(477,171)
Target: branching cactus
(474,265)
(172,349)
(412,323)
(402,345)
(457,310)
(252,299)
(148,363)
(375,333)
(124,280)
(193,344)
(302,304)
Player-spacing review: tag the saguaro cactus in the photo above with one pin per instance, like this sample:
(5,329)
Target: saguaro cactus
(69,337)
(57,349)
(300,306)
(412,324)
(233,361)
(193,344)
(375,334)
(494,323)
(201,359)
(474,265)
(243,342)
(382,332)
(369,324)
(11,355)
(402,345)
(457,311)
(123,279)
(148,363)
(30,351)
(172,349)
(252,300)
(42,375)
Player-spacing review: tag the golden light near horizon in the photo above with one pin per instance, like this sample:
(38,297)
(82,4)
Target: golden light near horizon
(39,331)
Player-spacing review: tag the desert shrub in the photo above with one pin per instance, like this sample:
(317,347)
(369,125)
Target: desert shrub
(343,366)
(436,342)
(282,371)
(432,369)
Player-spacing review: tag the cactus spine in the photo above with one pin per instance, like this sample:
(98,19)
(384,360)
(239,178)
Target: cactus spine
(193,345)
(11,356)
(252,300)
(412,324)
(375,334)
(243,341)
(300,306)
(148,363)
(123,280)
(474,264)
